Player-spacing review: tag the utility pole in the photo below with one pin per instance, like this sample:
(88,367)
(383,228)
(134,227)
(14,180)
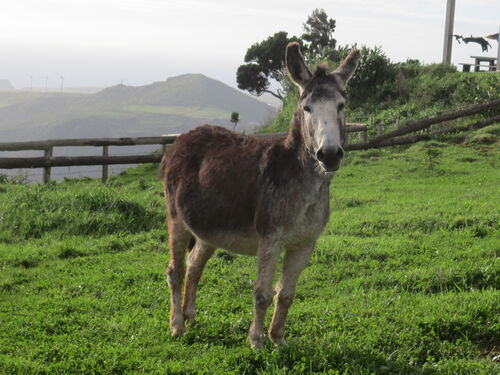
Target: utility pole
(448,31)
(62,82)
(498,51)
(46,82)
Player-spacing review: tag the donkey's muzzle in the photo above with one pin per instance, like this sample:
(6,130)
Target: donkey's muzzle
(330,158)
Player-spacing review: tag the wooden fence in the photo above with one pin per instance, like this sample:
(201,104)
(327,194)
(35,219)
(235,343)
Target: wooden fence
(47,161)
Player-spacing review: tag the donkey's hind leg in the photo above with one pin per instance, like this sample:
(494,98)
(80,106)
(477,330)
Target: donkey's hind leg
(197,259)
(178,241)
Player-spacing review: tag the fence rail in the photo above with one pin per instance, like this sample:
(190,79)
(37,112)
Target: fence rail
(48,160)
(72,161)
(97,142)
(380,140)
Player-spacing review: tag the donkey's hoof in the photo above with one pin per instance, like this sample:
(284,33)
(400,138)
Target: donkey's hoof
(277,337)
(189,319)
(256,345)
(178,331)
(256,341)
(278,341)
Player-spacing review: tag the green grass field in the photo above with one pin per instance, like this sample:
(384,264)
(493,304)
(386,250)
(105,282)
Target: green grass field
(404,280)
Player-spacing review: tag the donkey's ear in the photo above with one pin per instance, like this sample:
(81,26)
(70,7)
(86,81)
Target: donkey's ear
(297,69)
(346,69)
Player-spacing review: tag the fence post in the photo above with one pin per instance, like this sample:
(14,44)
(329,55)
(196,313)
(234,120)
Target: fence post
(105,153)
(440,125)
(47,154)
(347,136)
(163,148)
(365,132)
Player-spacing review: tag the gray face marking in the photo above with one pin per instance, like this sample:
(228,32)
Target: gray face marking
(322,100)
(323,109)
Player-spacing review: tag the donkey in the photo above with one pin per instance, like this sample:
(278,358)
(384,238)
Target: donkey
(256,196)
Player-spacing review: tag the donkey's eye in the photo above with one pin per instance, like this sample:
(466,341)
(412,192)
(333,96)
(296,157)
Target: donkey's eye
(307,108)
(340,107)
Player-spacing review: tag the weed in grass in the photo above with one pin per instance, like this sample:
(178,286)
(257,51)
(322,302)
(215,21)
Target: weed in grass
(467,159)
(482,139)
(28,262)
(66,252)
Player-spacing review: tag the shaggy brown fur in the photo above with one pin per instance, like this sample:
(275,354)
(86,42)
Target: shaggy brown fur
(210,169)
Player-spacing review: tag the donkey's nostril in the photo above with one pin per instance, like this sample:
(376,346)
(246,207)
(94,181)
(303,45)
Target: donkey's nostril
(320,156)
(340,153)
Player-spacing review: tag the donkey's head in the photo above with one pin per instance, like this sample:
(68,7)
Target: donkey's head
(322,98)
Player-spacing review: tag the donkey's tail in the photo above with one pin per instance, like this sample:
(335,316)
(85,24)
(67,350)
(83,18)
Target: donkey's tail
(163,167)
(162,173)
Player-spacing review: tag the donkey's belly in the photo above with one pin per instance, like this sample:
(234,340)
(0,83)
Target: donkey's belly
(239,243)
(221,221)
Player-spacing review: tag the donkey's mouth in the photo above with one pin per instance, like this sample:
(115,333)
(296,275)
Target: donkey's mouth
(329,158)
(329,167)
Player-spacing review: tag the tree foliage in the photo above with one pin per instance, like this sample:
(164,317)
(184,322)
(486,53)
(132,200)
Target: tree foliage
(265,62)
(318,32)
(373,79)
(235,118)
(251,78)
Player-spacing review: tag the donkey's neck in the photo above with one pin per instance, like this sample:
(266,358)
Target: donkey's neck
(296,138)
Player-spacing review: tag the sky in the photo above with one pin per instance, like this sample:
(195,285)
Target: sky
(99,43)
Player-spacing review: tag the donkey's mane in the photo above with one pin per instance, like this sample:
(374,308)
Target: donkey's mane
(321,70)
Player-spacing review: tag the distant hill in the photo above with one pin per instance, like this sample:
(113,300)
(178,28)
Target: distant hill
(172,106)
(188,90)
(5,85)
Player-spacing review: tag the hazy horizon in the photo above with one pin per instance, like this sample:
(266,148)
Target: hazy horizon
(95,43)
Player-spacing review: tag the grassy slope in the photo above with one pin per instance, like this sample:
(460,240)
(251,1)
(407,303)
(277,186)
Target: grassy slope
(423,95)
(405,278)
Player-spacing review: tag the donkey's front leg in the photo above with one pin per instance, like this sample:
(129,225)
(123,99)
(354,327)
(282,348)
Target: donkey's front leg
(294,262)
(267,259)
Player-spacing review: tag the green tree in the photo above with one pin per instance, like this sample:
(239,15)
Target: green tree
(265,62)
(318,31)
(235,118)
(374,77)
